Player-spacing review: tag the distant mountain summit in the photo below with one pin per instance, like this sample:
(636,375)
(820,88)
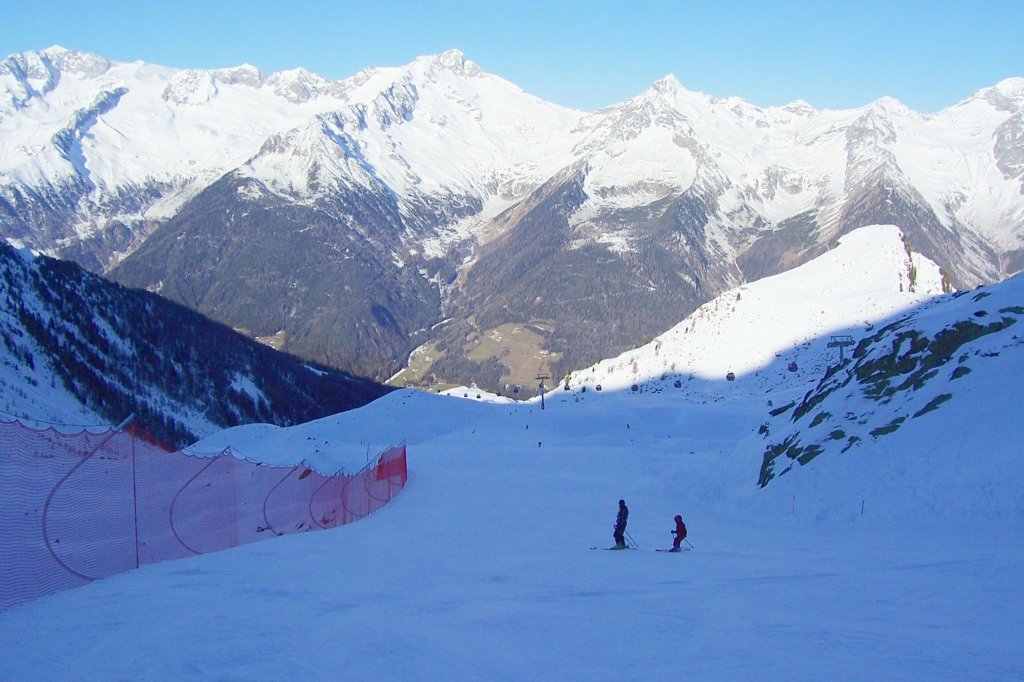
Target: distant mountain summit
(419,217)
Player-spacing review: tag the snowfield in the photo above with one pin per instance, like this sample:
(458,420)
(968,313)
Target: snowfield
(899,559)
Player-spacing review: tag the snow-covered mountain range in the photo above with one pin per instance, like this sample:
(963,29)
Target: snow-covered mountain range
(132,143)
(368,211)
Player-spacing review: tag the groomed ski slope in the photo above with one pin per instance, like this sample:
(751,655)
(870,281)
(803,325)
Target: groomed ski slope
(480,569)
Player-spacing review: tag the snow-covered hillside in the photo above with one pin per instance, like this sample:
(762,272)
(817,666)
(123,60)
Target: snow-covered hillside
(934,386)
(896,561)
(30,389)
(774,332)
(77,350)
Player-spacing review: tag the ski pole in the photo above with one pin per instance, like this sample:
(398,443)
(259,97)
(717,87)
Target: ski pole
(630,537)
(688,542)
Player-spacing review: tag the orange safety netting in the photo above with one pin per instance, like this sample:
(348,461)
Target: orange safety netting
(79,507)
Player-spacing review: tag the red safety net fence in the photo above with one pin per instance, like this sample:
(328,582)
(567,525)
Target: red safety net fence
(79,507)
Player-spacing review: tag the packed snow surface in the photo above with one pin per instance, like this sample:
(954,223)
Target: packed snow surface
(482,568)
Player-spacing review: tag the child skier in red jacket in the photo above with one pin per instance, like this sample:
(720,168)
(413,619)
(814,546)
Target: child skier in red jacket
(679,532)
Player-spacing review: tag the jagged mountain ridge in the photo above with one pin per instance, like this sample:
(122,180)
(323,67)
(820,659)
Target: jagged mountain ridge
(449,179)
(78,349)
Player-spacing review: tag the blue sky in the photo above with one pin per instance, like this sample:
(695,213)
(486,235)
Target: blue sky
(929,55)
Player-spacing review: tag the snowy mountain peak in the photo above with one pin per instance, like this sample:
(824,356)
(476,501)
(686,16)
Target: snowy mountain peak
(890,107)
(50,62)
(659,102)
(1007,94)
(800,107)
(1011,87)
(243,74)
(453,61)
(197,86)
(84,64)
(668,85)
(667,93)
(298,85)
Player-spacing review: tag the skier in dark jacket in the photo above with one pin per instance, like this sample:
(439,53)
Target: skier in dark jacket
(679,532)
(620,525)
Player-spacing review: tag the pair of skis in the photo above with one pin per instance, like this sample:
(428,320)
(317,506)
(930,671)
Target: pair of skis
(632,545)
(656,549)
(670,551)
